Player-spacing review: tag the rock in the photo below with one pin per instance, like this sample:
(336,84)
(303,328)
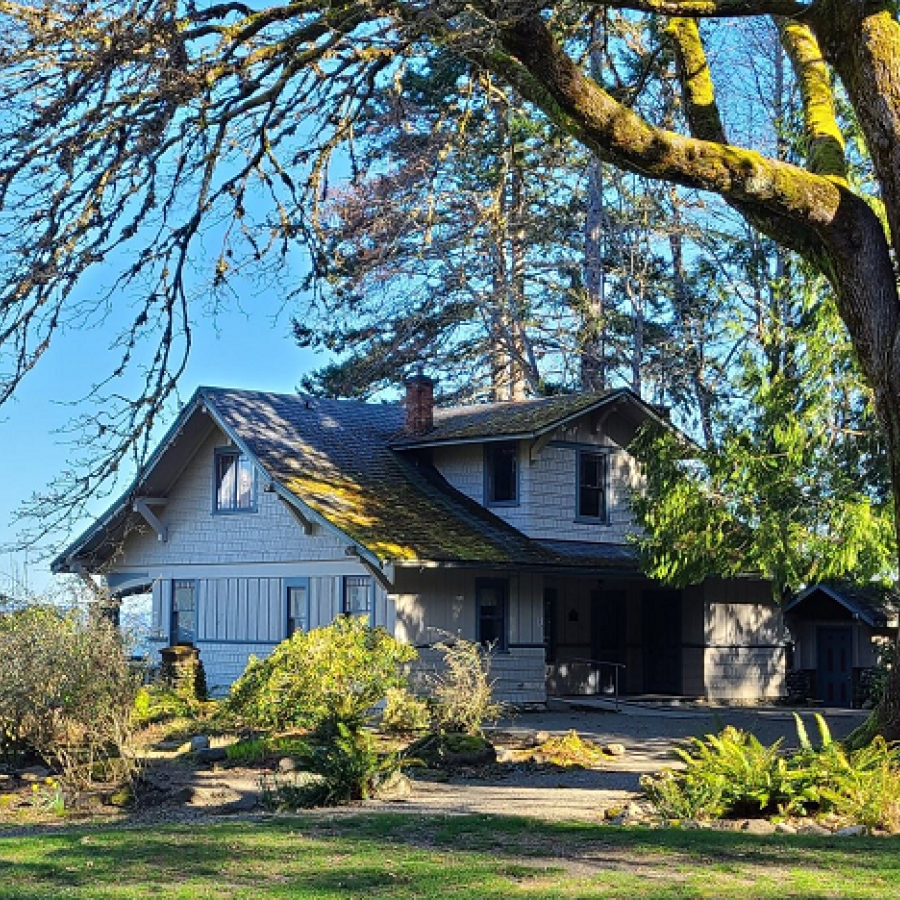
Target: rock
(170,746)
(182,795)
(199,742)
(542,737)
(34,773)
(785,828)
(850,831)
(245,803)
(287,764)
(615,749)
(505,755)
(209,755)
(395,788)
(539,758)
(214,796)
(692,824)
(758,826)
(810,827)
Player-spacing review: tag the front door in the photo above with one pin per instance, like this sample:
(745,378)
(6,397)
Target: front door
(662,642)
(834,674)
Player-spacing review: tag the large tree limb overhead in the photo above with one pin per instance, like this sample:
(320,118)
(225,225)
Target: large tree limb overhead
(710,9)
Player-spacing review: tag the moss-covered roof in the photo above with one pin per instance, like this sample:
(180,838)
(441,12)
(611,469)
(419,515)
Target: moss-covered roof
(495,421)
(333,456)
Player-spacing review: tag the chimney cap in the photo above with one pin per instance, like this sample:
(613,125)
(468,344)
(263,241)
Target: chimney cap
(419,377)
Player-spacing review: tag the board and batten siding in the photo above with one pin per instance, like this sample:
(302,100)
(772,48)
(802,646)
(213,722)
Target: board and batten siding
(433,604)
(745,653)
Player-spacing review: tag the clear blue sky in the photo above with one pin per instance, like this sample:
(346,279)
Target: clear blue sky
(238,349)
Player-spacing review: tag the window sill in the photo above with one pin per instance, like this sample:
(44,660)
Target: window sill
(236,512)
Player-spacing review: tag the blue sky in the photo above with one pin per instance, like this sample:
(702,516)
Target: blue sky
(238,349)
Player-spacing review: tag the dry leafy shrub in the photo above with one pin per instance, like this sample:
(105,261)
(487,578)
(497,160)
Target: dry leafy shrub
(461,690)
(321,678)
(569,750)
(404,712)
(66,694)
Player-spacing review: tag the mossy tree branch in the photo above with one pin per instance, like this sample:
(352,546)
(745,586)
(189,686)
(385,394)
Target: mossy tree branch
(825,150)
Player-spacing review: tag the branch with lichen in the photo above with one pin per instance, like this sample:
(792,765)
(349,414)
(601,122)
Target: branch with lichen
(825,150)
(710,9)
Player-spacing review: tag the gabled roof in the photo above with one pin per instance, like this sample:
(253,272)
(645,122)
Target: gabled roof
(875,605)
(522,419)
(333,461)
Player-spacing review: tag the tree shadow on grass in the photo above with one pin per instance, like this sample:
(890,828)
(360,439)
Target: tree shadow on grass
(403,856)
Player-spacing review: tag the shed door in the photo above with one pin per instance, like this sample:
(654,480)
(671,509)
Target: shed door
(834,675)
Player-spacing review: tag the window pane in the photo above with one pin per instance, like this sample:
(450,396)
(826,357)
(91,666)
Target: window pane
(244,484)
(589,502)
(183,613)
(492,623)
(226,480)
(357,596)
(297,610)
(502,475)
(592,485)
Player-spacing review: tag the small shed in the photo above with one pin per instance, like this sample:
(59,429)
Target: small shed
(836,629)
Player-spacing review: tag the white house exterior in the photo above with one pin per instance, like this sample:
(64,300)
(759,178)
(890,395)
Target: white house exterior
(507,523)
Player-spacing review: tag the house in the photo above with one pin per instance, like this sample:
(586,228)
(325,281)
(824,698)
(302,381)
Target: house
(836,629)
(260,514)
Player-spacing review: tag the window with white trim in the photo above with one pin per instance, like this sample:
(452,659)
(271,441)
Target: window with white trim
(297,591)
(357,595)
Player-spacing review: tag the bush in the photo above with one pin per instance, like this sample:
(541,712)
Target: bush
(160,703)
(404,712)
(321,678)
(732,774)
(66,693)
(461,691)
(348,767)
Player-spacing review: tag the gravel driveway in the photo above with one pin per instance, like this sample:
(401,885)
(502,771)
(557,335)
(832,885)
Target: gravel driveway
(648,734)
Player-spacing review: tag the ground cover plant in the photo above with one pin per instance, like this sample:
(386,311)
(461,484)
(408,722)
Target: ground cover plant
(454,858)
(732,774)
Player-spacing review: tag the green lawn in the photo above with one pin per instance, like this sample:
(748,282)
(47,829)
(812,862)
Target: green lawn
(417,857)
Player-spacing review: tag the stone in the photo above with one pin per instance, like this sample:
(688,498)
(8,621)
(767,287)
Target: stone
(209,755)
(542,737)
(615,749)
(287,764)
(214,796)
(199,742)
(34,773)
(758,826)
(785,828)
(850,831)
(810,827)
(505,755)
(395,788)
(245,803)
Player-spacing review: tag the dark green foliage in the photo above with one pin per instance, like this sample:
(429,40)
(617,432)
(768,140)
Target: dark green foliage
(321,679)
(348,768)
(733,774)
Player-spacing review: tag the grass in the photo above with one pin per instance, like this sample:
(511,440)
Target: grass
(402,857)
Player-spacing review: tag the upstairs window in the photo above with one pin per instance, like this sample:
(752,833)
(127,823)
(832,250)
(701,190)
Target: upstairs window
(235,482)
(502,474)
(357,595)
(592,469)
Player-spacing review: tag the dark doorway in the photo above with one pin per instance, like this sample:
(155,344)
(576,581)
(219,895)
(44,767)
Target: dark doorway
(834,675)
(551,606)
(662,642)
(608,625)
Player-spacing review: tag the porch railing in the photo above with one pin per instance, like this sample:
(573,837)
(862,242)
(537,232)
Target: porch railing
(607,688)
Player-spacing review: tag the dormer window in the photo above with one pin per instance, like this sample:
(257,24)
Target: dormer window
(501,466)
(235,486)
(592,505)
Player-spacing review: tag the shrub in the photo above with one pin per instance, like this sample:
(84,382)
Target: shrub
(160,703)
(66,693)
(461,691)
(258,749)
(733,774)
(348,767)
(404,712)
(321,678)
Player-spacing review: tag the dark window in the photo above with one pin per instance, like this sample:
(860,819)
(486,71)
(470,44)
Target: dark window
(493,627)
(357,595)
(184,612)
(502,474)
(235,482)
(297,605)
(592,486)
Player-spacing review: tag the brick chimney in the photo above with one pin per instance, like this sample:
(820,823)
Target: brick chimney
(419,403)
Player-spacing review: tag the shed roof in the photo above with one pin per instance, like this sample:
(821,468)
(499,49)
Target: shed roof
(875,605)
